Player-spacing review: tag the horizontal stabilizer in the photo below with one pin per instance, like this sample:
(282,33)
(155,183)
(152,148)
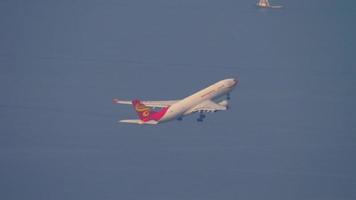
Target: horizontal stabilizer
(153,104)
(138,121)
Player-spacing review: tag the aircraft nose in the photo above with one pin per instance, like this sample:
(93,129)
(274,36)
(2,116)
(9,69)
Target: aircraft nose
(231,82)
(235,81)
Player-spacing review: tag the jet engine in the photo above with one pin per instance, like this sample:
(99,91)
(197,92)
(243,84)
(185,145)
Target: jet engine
(224,103)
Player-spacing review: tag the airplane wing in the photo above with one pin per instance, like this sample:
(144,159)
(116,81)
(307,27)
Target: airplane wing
(206,106)
(137,121)
(154,104)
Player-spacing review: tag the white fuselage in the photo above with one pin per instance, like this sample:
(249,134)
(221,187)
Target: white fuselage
(216,90)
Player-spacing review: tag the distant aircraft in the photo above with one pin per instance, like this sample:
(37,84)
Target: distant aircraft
(206,100)
(265,4)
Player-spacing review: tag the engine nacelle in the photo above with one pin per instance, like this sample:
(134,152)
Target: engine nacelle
(224,103)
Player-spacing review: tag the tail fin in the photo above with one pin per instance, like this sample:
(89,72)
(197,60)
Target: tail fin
(142,110)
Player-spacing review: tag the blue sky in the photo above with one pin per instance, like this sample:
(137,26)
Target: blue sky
(290,133)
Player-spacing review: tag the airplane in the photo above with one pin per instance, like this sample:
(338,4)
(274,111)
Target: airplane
(265,4)
(206,100)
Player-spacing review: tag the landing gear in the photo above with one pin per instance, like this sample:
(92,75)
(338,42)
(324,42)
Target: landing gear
(180,118)
(228,96)
(201,117)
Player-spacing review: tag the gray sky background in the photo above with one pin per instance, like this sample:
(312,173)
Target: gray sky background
(290,133)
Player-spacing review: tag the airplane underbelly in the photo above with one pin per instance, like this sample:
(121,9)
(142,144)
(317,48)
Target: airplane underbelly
(172,113)
(176,111)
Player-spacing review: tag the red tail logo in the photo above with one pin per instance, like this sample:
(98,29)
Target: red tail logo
(145,113)
(142,111)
